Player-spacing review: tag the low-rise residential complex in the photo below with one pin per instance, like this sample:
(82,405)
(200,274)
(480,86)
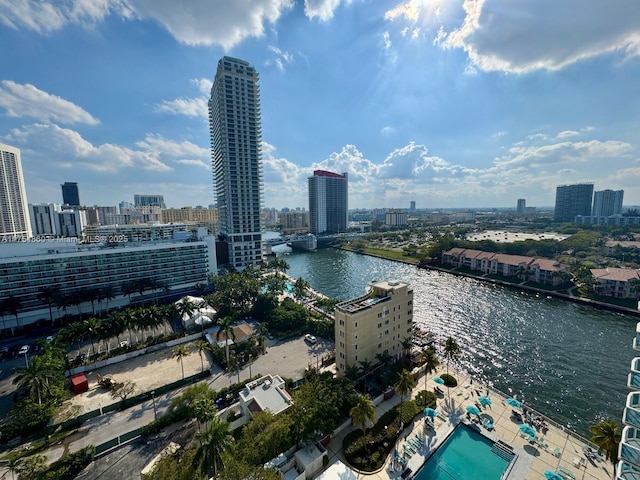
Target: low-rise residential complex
(375,323)
(540,270)
(616,282)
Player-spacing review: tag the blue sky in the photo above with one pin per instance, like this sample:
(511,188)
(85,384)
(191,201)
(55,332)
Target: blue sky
(469,103)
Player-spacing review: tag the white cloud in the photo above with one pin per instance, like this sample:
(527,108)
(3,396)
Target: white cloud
(54,147)
(282,58)
(191,107)
(323,9)
(387,40)
(544,34)
(25,100)
(387,130)
(213,22)
(567,134)
(197,22)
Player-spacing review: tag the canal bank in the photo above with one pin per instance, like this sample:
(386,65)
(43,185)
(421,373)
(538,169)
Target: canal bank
(516,286)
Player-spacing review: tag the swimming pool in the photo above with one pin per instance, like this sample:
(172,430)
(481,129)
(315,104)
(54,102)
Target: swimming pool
(465,455)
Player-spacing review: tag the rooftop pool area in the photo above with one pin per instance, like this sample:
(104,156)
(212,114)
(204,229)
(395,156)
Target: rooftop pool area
(466,455)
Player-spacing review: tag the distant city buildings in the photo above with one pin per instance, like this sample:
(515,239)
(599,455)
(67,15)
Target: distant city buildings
(573,200)
(293,222)
(148,201)
(396,218)
(376,323)
(235,129)
(328,202)
(412,206)
(522,205)
(607,203)
(70,194)
(14,210)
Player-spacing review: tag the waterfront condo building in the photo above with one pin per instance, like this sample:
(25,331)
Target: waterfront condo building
(235,129)
(148,201)
(70,194)
(573,200)
(607,203)
(375,323)
(328,200)
(14,210)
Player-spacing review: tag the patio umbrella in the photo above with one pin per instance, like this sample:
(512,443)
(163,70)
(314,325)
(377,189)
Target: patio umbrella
(551,475)
(527,429)
(430,412)
(514,403)
(439,380)
(473,410)
(484,400)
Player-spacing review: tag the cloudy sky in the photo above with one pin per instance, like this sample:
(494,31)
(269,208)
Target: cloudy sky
(451,103)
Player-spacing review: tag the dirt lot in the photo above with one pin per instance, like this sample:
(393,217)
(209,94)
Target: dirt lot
(148,372)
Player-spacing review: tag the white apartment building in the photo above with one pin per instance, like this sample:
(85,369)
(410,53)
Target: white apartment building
(376,322)
(27,267)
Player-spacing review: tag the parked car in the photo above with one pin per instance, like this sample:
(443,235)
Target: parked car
(310,338)
(24,350)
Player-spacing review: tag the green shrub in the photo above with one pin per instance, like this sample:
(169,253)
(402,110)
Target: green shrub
(70,466)
(449,380)
(426,399)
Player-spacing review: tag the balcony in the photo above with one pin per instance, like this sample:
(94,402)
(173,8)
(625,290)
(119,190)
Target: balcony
(631,415)
(633,380)
(625,471)
(629,450)
(636,341)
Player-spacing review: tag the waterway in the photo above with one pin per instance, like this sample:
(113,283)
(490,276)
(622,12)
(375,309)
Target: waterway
(564,359)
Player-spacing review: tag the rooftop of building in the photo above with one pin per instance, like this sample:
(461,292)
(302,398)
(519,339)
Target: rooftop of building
(377,293)
(266,393)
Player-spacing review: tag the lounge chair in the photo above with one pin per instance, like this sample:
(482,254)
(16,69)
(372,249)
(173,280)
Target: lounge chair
(566,473)
(408,450)
(557,452)
(419,440)
(579,462)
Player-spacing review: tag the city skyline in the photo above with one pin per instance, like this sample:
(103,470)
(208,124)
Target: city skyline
(441,103)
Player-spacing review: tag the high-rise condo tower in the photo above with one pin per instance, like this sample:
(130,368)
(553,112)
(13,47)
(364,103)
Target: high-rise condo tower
(328,202)
(234,122)
(14,210)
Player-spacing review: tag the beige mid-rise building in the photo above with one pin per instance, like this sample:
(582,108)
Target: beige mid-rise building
(372,324)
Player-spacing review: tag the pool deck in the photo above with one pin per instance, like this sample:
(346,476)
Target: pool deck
(532,460)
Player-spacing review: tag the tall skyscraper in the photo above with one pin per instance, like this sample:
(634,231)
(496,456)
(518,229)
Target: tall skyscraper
(14,209)
(522,205)
(412,205)
(235,129)
(607,203)
(573,200)
(328,202)
(70,194)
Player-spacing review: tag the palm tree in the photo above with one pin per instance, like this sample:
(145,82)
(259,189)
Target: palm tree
(179,353)
(186,307)
(214,441)
(108,293)
(451,352)
(226,328)
(300,288)
(202,346)
(431,362)
(12,305)
(606,435)
(365,365)
(30,467)
(32,379)
(261,335)
(364,411)
(404,385)
(49,295)
(406,343)
(92,326)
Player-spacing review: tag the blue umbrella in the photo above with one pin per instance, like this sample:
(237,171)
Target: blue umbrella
(514,403)
(430,412)
(527,429)
(551,475)
(484,400)
(473,410)
(439,380)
